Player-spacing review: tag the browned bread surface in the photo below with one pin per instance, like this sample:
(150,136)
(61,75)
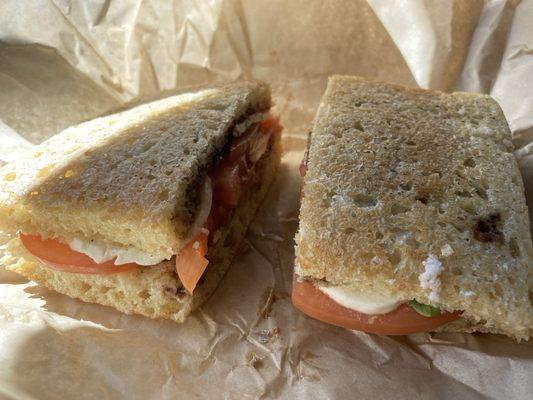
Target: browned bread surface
(417,193)
(130,178)
(154,291)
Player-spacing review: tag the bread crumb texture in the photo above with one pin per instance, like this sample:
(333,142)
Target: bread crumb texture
(417,192)
(129,178)
(154,291)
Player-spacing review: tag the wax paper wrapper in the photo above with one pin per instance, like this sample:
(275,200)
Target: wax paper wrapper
(64,61)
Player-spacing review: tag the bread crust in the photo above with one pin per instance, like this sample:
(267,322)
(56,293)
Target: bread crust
(154,291)
(129,178)
(402,180)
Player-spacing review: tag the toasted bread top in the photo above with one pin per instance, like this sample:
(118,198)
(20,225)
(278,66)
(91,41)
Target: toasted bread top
(417,193)
(130,178)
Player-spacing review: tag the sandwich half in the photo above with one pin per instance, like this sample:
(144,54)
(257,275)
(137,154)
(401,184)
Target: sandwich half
(143,210)
(413,216)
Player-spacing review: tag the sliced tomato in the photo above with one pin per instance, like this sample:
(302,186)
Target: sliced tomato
(227,185)
(60,256)
(230,178)
(231,175)
(191,262)
(401,321)
(272,122)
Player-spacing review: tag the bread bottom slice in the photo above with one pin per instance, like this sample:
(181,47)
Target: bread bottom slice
(155,291)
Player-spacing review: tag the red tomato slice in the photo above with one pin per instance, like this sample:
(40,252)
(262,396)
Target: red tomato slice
(61,257)
(232,173)
(271,122)
(191,262)
(227,186)
(402,321)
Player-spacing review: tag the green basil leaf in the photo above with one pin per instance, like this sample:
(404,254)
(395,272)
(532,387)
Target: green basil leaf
(424,309)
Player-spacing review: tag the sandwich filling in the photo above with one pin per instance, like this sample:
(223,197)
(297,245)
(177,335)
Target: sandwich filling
(369,312)
(221,192)
(400,318)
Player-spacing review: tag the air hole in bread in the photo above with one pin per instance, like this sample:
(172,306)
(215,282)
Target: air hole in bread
(457,271)
(104,289)
(468,207)
(482,193)
(153,162)
(378,235)
(422,199)
(463,193)
(530,295)
(406,186)
(398,209)
(498,289)
(144,294)
(469,162)
(441,209)
(458,228)
(363,200)
(357,125)
(168,172)
(150,177)
(410,143)
(84,287)
(514,249)
(441,224)
(349,231)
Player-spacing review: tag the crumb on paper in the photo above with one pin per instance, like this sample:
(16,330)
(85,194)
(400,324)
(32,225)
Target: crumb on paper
(430,278)
(446,250)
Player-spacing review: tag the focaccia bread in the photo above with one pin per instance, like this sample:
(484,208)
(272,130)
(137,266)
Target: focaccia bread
(417,194)
(129,178)
(143,210)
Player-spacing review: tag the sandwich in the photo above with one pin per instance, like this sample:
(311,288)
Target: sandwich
(143,210)
(413,216)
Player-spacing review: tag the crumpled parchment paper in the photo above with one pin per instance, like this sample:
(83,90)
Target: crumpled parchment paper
(65,61)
